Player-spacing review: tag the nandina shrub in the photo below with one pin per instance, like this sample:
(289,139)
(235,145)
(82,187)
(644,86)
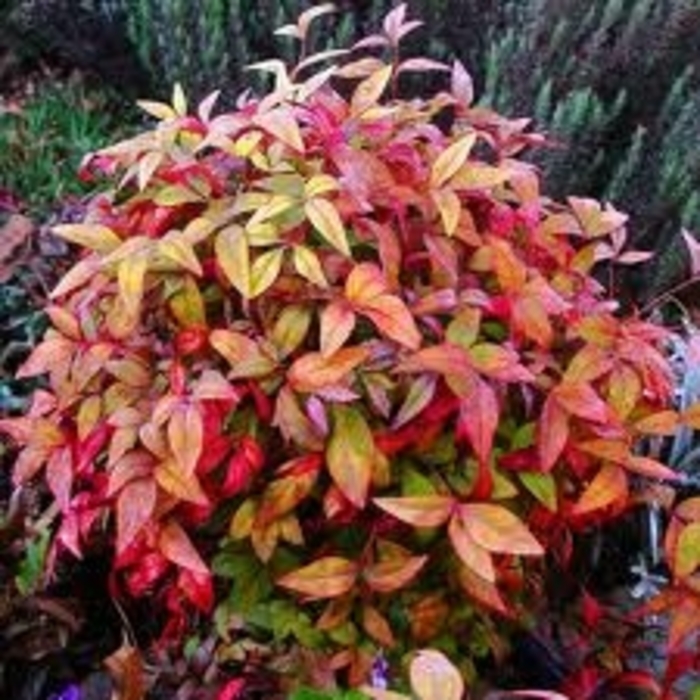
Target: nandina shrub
(339,349)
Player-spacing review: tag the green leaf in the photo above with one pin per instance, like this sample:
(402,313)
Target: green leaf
(542,486)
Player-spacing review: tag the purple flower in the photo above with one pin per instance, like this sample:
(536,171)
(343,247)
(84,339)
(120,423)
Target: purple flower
(70,692)
(379,677)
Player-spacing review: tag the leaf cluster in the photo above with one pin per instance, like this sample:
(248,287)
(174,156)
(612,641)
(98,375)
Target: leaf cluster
(357,353)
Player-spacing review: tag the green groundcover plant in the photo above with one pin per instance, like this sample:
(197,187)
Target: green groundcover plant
(334,365)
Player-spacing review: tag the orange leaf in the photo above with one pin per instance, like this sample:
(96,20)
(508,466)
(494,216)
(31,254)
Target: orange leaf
(552,433)
(283,495)
(176,546)
(691,416)
(589,363)
(392,574)
(510,271)
(661,423)
(365,283)
(392,317)
(377,627)
(350,454)
(186,436)
(314,372)
(337,323)
(126,668)
(135,507)
(472,554)
(496,529)
(608,486)
(625,390)
(420,511)
(531,319)
(327,577)
(581,400)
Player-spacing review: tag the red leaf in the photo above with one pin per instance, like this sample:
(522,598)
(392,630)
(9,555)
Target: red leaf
(233,690)
(177,547)
(59,476)
(197,588)
(478,418)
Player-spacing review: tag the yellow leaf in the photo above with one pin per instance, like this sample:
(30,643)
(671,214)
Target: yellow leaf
(478,176)
(179,100)
(448,163)
(92,236)
(147,166)
(325,218)
(291,328)
(265,271)
(242,521)
(181,253)
(368,92)
(320,184)
(159,110)
(183,486)
(131,277)
(308,265)
(233,255)
(450,208)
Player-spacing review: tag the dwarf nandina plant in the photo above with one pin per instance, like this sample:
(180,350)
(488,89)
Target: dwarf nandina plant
(352,329)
